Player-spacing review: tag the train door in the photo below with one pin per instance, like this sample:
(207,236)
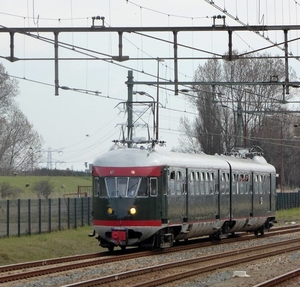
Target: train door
(273,193)
(261,194)
(224,190)
(250,193)
(177,198)
(210,195)
(164,195)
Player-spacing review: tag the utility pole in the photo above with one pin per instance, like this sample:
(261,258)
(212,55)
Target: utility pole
(129,107)
(239,123)
(157,99)
(281,160)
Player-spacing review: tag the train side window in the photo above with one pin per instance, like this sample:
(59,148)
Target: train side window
(153,186)
(207,187)
(178,183)
(172,183)
(247,184)
(234,183)
(197,183)
(143,188)
(96,186)
(260,184)
(192,183)
(211,183)
(223,186)
(255,185)
(227,189)
(267,184)
(202,183)
(241,184)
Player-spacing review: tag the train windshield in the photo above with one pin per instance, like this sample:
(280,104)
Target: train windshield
(125,186)
(122,186)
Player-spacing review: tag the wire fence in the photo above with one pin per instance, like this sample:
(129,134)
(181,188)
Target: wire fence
(33,216)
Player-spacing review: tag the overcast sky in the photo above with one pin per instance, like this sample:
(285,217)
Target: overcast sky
(76,127)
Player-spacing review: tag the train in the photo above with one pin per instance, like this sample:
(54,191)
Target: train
(147,196)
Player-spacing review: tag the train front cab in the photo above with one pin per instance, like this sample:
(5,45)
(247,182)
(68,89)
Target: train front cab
(129,209)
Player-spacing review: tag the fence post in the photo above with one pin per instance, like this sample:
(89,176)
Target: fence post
(68,212)
(82,214)
(40,215)
(59,214)
(19,217)
(49,215)
(88,217)
(29,217)
(7,218)
(75,213)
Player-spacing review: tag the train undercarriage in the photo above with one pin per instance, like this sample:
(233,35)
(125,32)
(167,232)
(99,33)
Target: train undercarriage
(165,237)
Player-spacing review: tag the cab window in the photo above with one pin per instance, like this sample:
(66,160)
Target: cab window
(143,188)
(99,187)
(153,186)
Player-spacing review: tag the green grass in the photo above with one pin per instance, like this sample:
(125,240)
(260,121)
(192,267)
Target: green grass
(72,242)
(62,184)
(47,245)
(287,216)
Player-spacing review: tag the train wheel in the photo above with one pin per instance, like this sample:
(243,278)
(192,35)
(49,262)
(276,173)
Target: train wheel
(256,232)
(215,236)
(111,248)
(123,247)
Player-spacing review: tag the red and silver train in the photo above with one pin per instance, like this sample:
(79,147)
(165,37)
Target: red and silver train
(149,197)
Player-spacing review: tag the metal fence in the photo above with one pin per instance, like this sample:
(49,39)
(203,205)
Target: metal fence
(28,216)
(287,200)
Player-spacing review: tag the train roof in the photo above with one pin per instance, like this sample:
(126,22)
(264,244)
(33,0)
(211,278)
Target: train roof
(161,156)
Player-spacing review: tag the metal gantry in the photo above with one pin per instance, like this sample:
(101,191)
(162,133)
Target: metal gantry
(36,32)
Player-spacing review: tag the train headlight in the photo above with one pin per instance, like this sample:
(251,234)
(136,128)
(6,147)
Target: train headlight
(132,211)
(110,210)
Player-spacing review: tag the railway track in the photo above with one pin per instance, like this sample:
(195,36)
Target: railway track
(285,279)
(170,272)
(22,271)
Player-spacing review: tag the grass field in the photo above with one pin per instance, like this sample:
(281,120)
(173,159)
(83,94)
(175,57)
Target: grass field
(72,242)
(62,184)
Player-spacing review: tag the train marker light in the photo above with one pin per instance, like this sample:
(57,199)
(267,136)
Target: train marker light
(132,210)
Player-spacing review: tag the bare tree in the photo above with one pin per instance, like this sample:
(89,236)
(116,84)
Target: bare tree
(278,136)
(44,188)
(18,140)
(9,191)
(226,113)
(8,90)
(188,142)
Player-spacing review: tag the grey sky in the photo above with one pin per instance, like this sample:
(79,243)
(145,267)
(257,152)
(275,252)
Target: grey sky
(76,127)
